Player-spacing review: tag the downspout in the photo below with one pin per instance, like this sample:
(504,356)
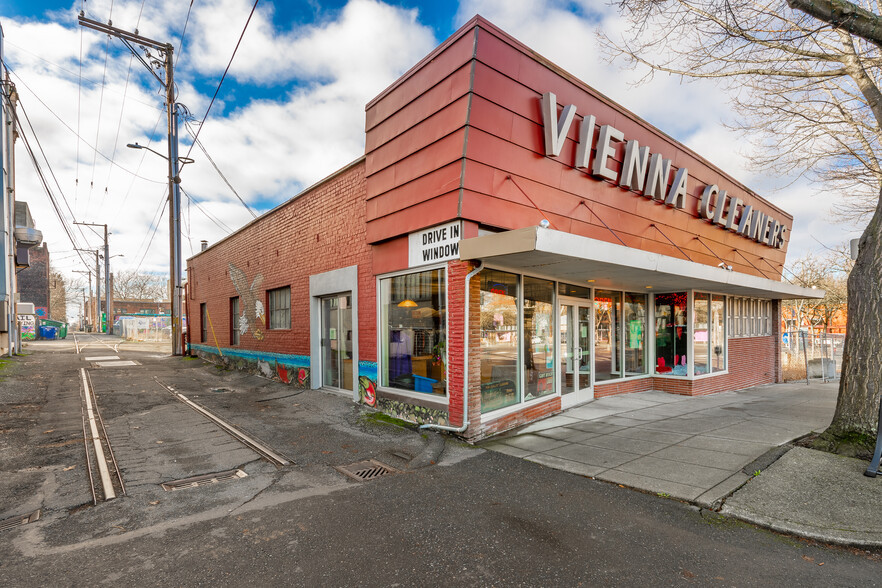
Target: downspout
(465,361)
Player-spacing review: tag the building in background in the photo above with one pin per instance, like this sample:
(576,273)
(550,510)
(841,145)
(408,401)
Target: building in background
(33,281)
(132,307)
(511,244)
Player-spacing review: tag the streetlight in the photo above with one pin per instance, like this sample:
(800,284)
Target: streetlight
(174,220)
(184,160)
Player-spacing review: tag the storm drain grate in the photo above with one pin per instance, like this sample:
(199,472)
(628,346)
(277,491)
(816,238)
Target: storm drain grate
(19,520)
(203,480)
(366,470)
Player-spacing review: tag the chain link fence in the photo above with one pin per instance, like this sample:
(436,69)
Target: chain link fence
(816,356)
(143,328)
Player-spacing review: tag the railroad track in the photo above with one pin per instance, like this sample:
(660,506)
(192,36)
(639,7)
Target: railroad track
(100,461)
(249,441)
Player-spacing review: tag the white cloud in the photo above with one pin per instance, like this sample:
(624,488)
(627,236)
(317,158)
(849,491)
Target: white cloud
(268,148)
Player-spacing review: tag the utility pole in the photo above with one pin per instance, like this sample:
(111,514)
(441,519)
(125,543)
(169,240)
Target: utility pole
(97,315)
(107,293)
(166,51)
(89,273)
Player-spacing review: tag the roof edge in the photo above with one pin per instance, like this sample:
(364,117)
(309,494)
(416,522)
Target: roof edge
(279,206)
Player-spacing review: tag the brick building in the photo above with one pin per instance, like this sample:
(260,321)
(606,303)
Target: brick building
(33,281)
(124,307)
(511,244)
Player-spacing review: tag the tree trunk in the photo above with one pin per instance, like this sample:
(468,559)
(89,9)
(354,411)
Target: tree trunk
(861,384)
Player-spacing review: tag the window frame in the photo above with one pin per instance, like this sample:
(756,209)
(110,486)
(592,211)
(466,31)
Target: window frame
(270,310)
(203,319)
(381,362)
(235,336)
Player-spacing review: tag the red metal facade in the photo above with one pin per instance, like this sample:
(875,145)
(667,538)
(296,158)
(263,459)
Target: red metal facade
(461,136)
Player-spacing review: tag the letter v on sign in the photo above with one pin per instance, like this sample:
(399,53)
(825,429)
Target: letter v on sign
(555,128)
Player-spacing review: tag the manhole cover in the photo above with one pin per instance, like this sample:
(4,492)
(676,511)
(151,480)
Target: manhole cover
(366,470)
(19,520)
(203,480)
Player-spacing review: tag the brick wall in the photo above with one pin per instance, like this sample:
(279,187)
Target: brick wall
(320,230)
(33,282)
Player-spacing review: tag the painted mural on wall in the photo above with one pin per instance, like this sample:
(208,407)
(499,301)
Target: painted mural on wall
(367,391)
(42,312)
(28,326)
(294,370)
(253,315)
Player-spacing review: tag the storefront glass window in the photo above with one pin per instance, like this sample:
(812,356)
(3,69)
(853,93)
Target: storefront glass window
(538,338)
(607,335)
(635,334)
(701,334)
(414,333)
(500,383)
(718,334)
(671,333)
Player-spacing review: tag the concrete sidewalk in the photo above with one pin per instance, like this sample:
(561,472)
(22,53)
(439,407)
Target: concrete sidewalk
(698,449)
(816,495)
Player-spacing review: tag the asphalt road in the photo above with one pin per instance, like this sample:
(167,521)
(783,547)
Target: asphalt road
(472,519)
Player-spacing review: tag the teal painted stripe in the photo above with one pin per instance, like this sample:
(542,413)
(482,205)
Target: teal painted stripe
(365,368)
(283,358)
(368,369)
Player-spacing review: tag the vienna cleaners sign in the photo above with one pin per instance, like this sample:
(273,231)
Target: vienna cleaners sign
(649,174)
(439,243)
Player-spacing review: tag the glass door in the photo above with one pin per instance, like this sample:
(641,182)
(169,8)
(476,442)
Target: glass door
(575,354)
(336,351)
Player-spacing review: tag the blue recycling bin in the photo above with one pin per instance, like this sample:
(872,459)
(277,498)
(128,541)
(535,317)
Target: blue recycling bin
(48,332)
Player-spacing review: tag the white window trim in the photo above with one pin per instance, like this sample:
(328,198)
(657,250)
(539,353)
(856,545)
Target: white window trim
(422,396)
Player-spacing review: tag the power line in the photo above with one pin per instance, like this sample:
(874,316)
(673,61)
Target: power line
(79,76)
(138,169)
(217,169)
(220,83)
(46,187)
(122,109)
(27,119)
(183,33)
(79,100)
(219,223)
(68,127)
(153,234)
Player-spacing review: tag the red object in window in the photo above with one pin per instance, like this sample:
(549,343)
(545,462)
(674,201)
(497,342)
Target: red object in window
(662,368)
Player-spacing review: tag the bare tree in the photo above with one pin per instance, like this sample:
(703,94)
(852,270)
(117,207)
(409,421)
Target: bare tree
(57,296)
(827,272)
(806,81)
(132,285)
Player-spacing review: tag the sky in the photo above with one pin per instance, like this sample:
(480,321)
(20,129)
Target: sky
(290,110)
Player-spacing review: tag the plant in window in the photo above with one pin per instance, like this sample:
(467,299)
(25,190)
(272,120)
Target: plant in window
(439,354)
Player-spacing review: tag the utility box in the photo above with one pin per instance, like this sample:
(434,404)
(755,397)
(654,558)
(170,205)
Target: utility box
(25,308)
(823,367)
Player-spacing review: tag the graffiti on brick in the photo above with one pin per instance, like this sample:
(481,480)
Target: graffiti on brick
(252,307)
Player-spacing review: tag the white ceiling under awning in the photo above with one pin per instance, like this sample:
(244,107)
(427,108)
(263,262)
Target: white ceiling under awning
(575,259)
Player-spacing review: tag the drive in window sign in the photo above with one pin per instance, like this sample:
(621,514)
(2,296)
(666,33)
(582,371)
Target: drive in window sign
(439,243)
